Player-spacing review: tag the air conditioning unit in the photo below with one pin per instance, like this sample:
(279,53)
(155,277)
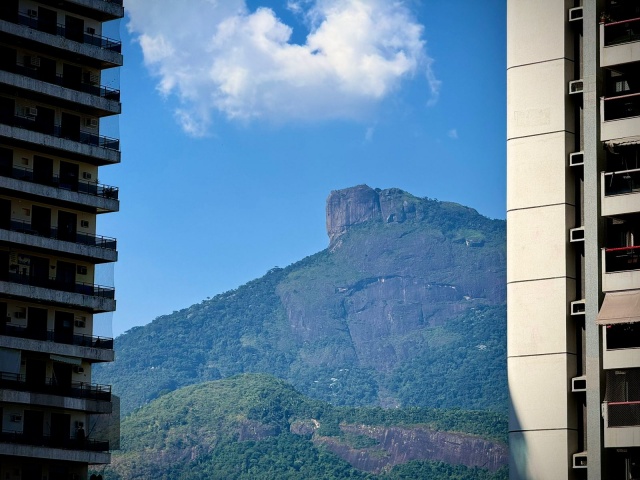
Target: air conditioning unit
(92,78)
(34,61)
(16,418)
(578,307)
(84,223)
(82,270)
(80,323)
(576,87)
(576,235)
(79,424)
(576,159)
(575,14)
(32,111)
(20,314)
(77,369)
(91,122)
(91,30)
(32,12)
(580,460)
(86,175)
(579,384)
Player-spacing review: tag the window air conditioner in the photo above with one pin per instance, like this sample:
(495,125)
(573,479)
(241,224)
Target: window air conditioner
(79,424)
(80,323)
(77,369)
(20,314)
(16,418)
(575,14)
(32,12)
(86,175)
(34,61)
(91,30)
(576,235)
(91,122)
(576,159)
(578,307)
(576,87)
(32,111)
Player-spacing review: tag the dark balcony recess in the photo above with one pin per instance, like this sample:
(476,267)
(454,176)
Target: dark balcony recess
(54,233)
(58,79)
(622,182)
(80,186)
(62,31)
(54,442)
(54,284)
(622,258)
(83,137)
(16,381)
(622,106)
(623,31)
(103,343)
(623,414)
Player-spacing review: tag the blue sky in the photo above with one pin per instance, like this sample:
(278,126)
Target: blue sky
(238,120)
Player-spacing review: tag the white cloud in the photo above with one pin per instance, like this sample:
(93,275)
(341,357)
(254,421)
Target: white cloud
(217,56)
(453,134)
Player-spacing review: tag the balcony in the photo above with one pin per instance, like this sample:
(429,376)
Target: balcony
(14,381)
(621,268)
(15,444)
(87,146)
(82,195)
(621,424)
(620,192)
(95,100)
(621,346)
(620,116)
(103,10)
(82,246)
(90,348)
(620,42)
(94,298)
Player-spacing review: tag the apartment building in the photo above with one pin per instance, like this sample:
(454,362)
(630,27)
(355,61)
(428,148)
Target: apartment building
(573,219)
(53,59)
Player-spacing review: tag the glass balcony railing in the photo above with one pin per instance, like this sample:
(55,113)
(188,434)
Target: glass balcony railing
(16,381)
(622,258)
(623,31)
(74,185)
(91,240)
(622,414)
(16,331)
(59,80)
(621,182)
(55,284)
(59,131)
(54,441)
(73,34)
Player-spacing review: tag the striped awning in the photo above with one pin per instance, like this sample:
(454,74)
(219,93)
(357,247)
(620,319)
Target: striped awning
(620,307)
(623,141)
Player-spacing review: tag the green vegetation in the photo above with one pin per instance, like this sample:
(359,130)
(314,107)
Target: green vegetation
(241,428)
(394,314)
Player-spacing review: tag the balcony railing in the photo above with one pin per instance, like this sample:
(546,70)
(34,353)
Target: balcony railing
(16,381)
(80,186)
(58,131)
(622,258)
(623,31)
(103,343)
(621,106)
(69,33)
(621,182)
(57,79)
(55,442)
(91,240)
(623,414)
(73,287)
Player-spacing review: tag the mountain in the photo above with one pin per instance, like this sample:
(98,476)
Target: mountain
(406,307)
(255,427)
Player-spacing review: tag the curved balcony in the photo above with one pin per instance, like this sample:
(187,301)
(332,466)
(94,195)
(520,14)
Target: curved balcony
(15,381)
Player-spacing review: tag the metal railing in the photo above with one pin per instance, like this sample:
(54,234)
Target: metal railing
(54,284)
(58,79)
(623,31)
(89,239)
(621,182)
(34,23)
(74,185)
(55,441)
(103,343)
(622,414)
(622,258)
(58,131)
(621,106)
(17,381)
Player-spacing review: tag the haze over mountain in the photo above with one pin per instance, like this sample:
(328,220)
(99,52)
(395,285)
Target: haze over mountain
(406,307)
